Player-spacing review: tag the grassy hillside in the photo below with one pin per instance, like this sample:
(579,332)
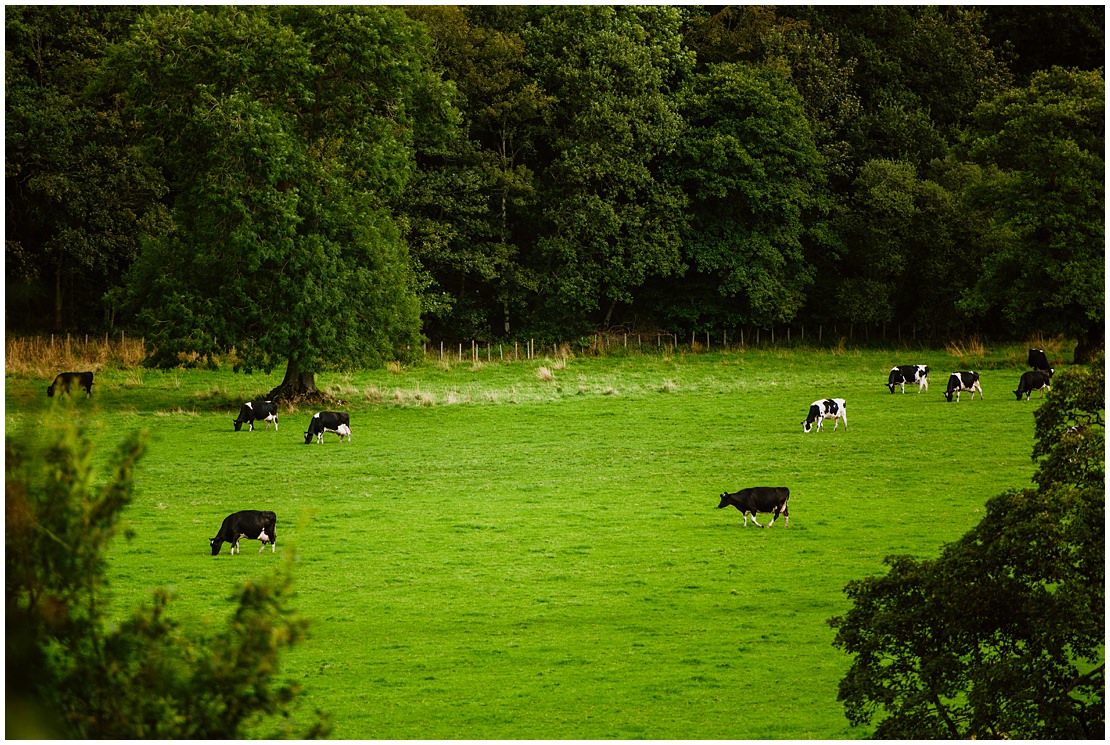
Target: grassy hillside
(505,551)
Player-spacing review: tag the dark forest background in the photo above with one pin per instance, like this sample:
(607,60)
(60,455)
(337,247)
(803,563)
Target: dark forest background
(488,172)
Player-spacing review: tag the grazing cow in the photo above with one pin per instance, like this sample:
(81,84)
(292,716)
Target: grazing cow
(909,374)
(1038,360)
(338,422)
(254,524)
(64,382)
(828,408)
(963,381)
(257,411)
(1034,380)
(757,499)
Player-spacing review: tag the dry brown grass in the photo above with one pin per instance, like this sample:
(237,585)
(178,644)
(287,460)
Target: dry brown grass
(970,352)
(44,356)
(968,348)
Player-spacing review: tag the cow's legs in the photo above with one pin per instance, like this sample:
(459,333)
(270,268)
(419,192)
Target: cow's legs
(753,520)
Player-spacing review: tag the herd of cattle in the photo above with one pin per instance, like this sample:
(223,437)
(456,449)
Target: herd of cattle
(773,499)
(262,525)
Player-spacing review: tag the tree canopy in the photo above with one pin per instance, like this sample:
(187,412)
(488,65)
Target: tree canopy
(321,186)
(284,135)
(1047,201)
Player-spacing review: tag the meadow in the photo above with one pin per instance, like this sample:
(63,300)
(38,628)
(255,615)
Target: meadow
(531,549)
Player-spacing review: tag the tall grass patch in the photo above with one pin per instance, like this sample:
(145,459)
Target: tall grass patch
(529,559)
(45,356)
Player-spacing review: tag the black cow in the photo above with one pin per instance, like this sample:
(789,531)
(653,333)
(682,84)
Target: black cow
(64,382)
(1038,360)
(757,499)
(903,374)
(963,381)
(254,524)
(828,408)
(338,422)
(257,411)
(1034,380)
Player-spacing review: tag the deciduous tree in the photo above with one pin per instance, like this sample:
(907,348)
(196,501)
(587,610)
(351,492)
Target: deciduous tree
(1048,206)
(753,177)
(79,194)
(608,218)
(285,133)
(466,203)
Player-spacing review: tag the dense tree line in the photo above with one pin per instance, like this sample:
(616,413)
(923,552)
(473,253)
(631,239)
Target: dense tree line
(279,180)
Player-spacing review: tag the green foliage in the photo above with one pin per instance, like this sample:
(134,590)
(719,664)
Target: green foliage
(79,194)
(212,174)
(905,240)
(1047,201)
(71,673)
(751,171)
(467,198)
(286,133)
(1071,433)
(609,219)
(1002,635)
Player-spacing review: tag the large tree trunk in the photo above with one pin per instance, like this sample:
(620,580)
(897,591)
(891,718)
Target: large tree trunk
(297,387)
(1090,344)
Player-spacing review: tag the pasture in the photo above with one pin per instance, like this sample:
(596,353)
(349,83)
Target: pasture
(504,552)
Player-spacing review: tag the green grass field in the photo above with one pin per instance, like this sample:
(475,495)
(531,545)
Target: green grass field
(499,555)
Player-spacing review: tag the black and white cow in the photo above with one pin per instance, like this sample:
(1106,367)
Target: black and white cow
(338,422)
(257,525)
(64,383)
(903,374)
(826,408)
(1038,360)
(963,381)
(758,499)
(1034,380)
(257,411)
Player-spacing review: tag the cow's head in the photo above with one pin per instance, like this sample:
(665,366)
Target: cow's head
(215,543)
(307,438)
(724,500)
(238,424)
